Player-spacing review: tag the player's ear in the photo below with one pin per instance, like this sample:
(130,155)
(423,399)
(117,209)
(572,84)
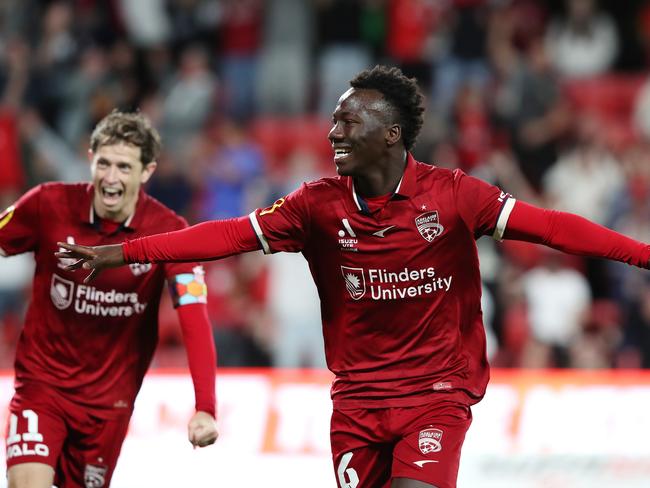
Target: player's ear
(393,134)
(91,155)
(148,170)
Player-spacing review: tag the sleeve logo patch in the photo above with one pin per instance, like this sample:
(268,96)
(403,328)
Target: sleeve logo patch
(6,216)
(269,210)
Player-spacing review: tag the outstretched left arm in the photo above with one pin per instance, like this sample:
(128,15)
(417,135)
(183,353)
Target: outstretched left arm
(573,234)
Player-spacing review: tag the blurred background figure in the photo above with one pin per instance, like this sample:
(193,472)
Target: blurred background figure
(294,306)
(558,299)
(15,284)
(283,84)
(231,177)
(582,41)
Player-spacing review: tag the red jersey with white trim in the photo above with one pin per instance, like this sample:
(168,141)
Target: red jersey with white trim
(94,341)
(400,286)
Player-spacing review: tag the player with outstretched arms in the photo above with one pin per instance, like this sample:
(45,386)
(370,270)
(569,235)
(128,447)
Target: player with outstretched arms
(391,245)
(85,348)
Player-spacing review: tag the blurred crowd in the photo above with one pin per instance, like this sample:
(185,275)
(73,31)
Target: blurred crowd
(548,99)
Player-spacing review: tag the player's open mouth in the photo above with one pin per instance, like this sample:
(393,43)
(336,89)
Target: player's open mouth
(111,195)
(340,153)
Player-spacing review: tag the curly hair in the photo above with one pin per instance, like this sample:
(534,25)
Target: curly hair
(130,128)
(401,92)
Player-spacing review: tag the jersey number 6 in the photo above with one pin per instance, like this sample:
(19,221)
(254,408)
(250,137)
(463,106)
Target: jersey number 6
(343,470)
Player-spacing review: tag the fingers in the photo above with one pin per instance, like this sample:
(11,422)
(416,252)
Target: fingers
(83,255)
(70,255)
(91,276)
(202,436)
(204,442)
(75,250)
(76,265)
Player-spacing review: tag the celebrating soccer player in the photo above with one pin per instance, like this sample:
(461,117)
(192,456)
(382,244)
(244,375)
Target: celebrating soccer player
(391,246)
(84,349)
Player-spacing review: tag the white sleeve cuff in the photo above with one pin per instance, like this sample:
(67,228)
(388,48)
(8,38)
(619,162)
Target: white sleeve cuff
(260,235)
(502,221)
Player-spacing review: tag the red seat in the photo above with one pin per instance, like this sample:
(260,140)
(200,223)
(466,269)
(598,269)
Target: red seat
(611,99)
(610,96)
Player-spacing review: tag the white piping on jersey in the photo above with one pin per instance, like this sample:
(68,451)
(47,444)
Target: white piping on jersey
(399,184)
(502,222)
(356,198)
(260,235)
(346,224)
(127,222)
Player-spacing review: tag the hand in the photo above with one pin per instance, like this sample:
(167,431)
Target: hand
(94,258)
(202,429)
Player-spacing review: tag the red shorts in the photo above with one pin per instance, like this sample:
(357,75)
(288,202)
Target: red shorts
(370,447)
(46,427)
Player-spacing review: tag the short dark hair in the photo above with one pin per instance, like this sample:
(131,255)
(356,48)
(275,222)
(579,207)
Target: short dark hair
(401,92)
(130,128)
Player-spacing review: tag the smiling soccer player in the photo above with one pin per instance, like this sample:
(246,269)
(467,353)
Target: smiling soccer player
(84,349)
(391,245)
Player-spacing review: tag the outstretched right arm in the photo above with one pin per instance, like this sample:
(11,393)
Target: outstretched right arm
(211,240)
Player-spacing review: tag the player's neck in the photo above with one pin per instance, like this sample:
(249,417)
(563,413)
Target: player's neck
(383,180)
(119,216)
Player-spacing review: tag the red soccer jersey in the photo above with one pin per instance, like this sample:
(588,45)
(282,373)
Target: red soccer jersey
(400,287)
(93,342)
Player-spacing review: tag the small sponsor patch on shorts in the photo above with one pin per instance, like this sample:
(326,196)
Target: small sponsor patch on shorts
(187,288)
(95,475)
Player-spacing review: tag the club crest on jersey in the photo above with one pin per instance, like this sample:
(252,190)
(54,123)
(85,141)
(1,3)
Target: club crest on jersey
(61,292)
(430,440)
(95,475)
(139,268)
(355,282)
(428,225)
